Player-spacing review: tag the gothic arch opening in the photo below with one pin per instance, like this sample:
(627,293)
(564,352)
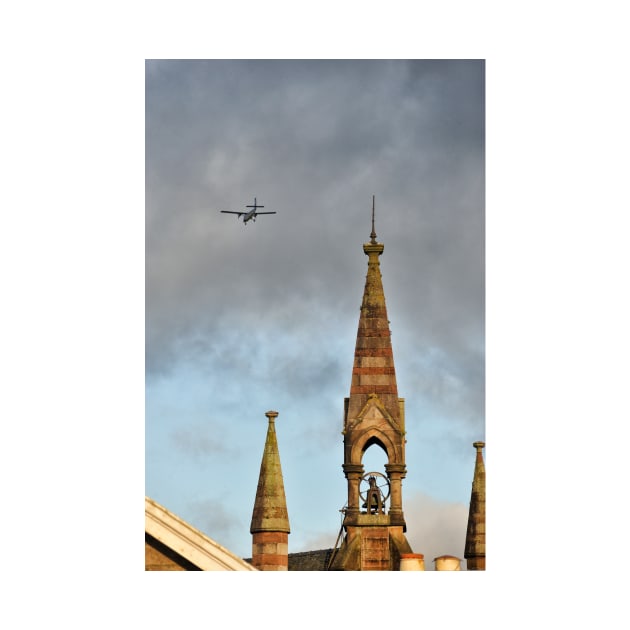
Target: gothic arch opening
(374,452)
(374,459)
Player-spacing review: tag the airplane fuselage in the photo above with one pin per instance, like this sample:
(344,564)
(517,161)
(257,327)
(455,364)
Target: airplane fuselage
(250,215)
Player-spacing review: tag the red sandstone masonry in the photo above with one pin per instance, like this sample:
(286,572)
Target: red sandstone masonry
(272,560)
(371,332)
(269,551)
(374,370)
(271,537)
(373,352)
(365,349)
(374,323)
(374,341)
(373,389)
(372,380)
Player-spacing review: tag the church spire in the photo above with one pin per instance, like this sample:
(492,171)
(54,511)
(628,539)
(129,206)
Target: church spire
(373,371)
(270,519)
(373,418)
(475,551)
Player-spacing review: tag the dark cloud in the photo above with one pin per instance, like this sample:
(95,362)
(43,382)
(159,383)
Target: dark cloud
(313,140)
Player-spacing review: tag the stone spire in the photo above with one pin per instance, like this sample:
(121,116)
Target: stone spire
(270,519)
(373,370)
(475,551)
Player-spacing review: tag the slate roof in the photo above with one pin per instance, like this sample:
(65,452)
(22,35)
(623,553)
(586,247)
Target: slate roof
(307,560)
(310,560)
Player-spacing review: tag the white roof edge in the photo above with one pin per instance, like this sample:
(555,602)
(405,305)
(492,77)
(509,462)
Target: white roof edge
(189,542)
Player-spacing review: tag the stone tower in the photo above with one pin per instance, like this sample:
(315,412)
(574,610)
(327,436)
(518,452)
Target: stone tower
(373,416)
(270,520)
(475,551)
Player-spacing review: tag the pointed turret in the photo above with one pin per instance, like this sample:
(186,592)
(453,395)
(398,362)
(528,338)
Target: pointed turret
(475,552)
(270,519)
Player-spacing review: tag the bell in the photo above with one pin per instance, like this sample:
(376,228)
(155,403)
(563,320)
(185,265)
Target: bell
(373,500)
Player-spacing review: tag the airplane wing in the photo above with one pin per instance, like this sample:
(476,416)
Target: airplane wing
(232,212)
(264,213)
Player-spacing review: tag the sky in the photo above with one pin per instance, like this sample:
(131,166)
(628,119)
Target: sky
(241,319)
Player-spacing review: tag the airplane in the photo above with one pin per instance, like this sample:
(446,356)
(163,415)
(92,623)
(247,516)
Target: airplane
(250,214)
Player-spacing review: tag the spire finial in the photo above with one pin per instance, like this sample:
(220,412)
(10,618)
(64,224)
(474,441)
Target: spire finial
(373,234)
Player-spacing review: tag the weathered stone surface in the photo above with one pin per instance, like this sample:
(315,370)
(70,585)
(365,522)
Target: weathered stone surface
(270,519)
(373,415)
(475,550)
(270,506)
